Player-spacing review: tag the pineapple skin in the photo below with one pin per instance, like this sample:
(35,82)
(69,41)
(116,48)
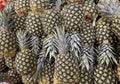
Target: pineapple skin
(34,24)
(86,77)
(8,43)
(103,30)
(73,17)
(116,26)
(10,62)
(66,69)
(39,5)
(104,75)
(22,7)
(19,23)
(51,19)
(26,62)
(46,74)
(13,77)
(26,79)
(2,64)
(90,10)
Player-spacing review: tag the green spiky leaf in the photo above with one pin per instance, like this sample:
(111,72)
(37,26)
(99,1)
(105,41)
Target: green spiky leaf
(87,58)
(36,45)
(49,47)
(23,39)
(76,45)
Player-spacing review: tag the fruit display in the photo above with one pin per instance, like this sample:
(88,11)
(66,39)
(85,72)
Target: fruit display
(60,41)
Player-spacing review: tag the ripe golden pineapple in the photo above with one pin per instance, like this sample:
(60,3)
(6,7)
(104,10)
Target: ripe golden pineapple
(8,44)
(2,64)
(87,54)
(13,77)
(26,60)
(51,18)
(22,7)
(73,17)
(34,24)
(66,65)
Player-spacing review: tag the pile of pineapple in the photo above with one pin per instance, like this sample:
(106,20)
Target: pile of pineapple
(60,42)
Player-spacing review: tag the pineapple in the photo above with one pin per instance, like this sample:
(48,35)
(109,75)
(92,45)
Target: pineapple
(3,77)
(46,73)
(34,24)
(66,65)
(104,71)
(111,9)
(51,18)
(39,5)
(8,44)
(73,17)
(19,23)
(22,7)
(2,64)
(45,67)
(26,79)
(26,60)
(10,62)
(35,47)
(87,59)
(90,10)
(13,77)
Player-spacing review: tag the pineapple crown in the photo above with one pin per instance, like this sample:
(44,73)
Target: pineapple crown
(36,45)
(40,66)
(5,18)
(76,44)
(61,39)
(23,39)
(109,8)
(49,47)
(106,55)
(87,59)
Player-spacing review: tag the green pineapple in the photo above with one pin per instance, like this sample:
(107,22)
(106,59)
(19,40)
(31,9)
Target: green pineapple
(87,59)
(73,17)
(66,65)
(26,59)
(34,24)
(7,42)
(22,7)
